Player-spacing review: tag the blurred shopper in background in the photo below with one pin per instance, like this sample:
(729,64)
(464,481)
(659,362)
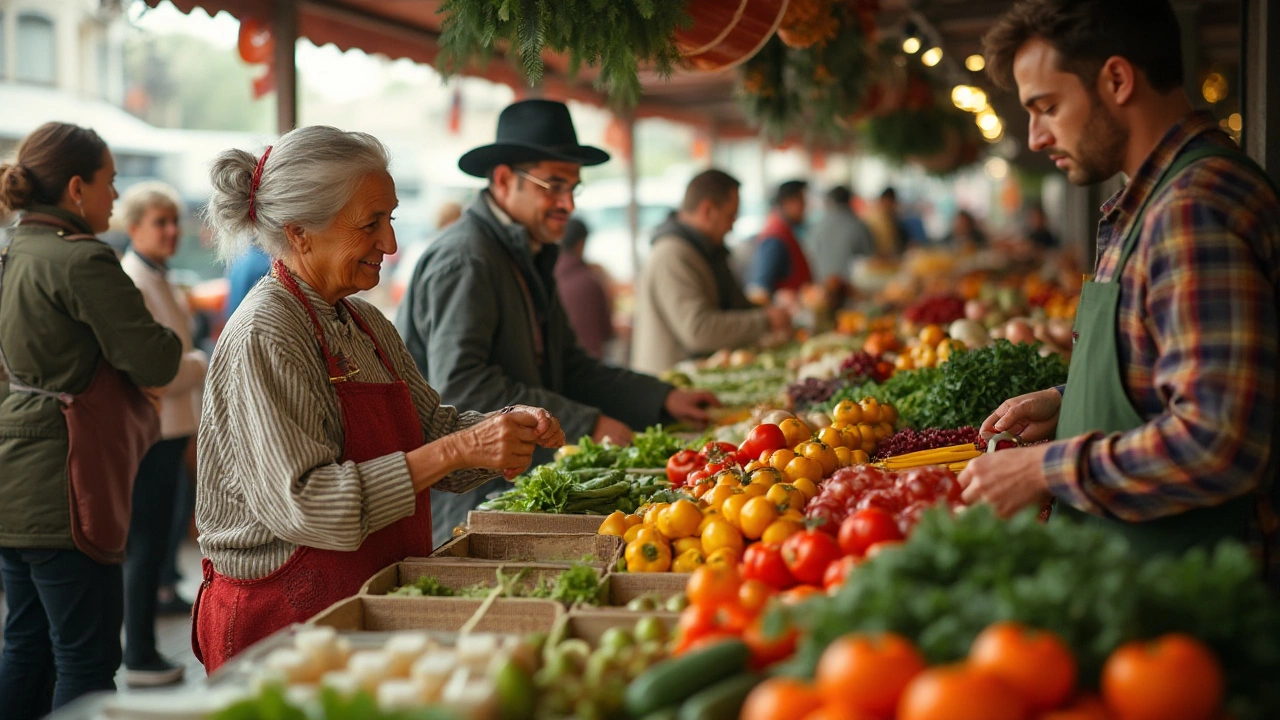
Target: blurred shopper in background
(71,322)
(151,212)
(779,262)
(886,226)
(688,303)
(243,273)
(839,238)
(1038,232)
(965,235)
(582,292)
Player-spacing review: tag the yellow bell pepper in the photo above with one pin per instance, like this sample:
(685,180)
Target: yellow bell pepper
(648,555)
(683,545)
(688,561)
(724,557)
(615,524)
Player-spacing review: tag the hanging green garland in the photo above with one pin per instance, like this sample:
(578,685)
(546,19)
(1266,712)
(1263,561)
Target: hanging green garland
(810,92)
(616,36)
(924,129)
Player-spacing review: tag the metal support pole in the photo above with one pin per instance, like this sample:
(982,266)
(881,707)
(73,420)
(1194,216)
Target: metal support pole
(1260,42)
(633,191)
(284,26)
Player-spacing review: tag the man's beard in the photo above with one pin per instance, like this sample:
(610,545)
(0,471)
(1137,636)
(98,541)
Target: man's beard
(1101,151)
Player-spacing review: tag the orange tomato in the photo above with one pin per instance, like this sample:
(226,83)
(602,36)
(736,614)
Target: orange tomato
(799,594)
(651,515)
(807,487)
(732,507)
(1176,677)
(860,457)
(870,411)
(780,698)
(762,480)
(754,594)
(868,671)
(713,586)
(1036,664)
(831,437)
(719,534)
(753,466)
(882,430)
(959,692)
(844,456)
(786,497)
(681,520)
(724,557)
(795,431)
(757,515)
(846,412)
(803,467)
(904,362)
(730,478)
(932,335)
(823,454)
(852,437)
(718,494)
(792,514)
(780,530)
(781,458)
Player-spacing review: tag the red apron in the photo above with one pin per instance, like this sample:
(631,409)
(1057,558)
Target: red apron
(377,419)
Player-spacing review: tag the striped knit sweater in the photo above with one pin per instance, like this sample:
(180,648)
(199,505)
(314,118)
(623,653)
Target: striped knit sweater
(271,436)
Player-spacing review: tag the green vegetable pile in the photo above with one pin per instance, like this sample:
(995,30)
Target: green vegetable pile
(649,449)
(956,576)
(579,584)
(547,489)
(966,389)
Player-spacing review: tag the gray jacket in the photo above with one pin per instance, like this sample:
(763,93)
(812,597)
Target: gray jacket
(836,242)
(470,329)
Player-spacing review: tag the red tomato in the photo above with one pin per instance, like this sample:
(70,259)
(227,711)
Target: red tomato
(680,465)
(1175,677)
(714,451)
(837,571)
(1038,664)
(697,622)
(867,527)
(808,553)
(761,438)
(764,563)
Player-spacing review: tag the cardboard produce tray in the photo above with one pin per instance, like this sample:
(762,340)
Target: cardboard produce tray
(494,521)
(440,614)
(591,625)
(562,548)
(458,575)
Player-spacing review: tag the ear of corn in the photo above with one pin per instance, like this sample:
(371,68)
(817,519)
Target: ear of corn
(947,456)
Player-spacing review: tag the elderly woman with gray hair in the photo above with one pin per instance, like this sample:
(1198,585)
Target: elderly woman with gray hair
(319,438)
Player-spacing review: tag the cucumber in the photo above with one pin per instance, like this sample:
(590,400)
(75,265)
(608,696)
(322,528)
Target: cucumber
(722,701)
(675,681)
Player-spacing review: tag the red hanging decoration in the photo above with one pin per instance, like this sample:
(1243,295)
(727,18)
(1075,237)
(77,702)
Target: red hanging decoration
(257,46)
(455,112)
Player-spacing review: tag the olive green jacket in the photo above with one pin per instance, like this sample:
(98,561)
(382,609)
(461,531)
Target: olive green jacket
(64,304)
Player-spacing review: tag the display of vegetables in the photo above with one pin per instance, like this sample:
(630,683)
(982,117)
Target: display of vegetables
(955,576)
(1011,672)
(648,449)
(903,496)
(577,681)
(937,310)
(966,389)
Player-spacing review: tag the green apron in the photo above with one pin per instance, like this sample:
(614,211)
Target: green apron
(1095,400)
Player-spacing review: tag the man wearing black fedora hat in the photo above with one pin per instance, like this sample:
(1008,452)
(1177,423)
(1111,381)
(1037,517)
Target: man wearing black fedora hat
(482,317)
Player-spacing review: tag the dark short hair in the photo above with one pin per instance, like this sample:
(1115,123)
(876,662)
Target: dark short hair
(575,234)
(1087,32)
(714,185)
(791,189)
(840,195)
(47,159)
(889,194)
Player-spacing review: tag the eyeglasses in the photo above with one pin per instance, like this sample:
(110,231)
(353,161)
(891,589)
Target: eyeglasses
(554,188)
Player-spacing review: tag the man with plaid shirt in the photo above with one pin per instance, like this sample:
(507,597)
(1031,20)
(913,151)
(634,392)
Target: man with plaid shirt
(1165,427)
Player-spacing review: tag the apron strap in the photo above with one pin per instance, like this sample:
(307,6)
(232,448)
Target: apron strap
(1182,162)
(337,373)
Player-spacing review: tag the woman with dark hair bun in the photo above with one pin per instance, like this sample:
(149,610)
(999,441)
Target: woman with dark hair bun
(77,345)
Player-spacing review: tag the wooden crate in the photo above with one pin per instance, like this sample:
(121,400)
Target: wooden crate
(441,614)
(459,574)
(562,548)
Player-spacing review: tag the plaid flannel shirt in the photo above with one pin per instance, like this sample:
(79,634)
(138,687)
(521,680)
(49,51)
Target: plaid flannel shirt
(1198,337)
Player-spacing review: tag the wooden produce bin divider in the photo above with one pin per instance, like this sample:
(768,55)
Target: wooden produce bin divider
(441,614)
(561,548)
(590,626)
(627,586)
(458,574)
(493,521)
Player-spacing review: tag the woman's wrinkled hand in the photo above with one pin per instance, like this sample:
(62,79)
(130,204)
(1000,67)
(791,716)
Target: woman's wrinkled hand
(503,441)
(550,435)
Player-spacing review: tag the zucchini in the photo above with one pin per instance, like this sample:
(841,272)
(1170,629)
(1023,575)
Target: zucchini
(671,683)
(722,701)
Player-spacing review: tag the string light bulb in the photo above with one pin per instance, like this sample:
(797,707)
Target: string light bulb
(911,45)
(975,63)
(931,57)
